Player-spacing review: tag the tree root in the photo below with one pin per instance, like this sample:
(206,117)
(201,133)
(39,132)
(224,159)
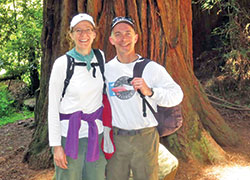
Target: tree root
(227,104)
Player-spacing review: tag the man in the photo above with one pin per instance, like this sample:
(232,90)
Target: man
(135,136)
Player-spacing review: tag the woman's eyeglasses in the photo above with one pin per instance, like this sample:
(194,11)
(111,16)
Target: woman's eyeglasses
(80,31)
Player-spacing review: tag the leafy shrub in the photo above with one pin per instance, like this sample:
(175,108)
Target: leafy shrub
(6,102)
(16,117)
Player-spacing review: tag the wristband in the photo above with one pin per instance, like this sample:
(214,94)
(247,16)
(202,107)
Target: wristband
(152,93)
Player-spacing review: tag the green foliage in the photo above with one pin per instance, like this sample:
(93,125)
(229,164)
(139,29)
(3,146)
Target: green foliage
(234,43)
(206,4)
(16,117)
(231,51)
(234,33)
(8,112)
(6,102)
(20,28)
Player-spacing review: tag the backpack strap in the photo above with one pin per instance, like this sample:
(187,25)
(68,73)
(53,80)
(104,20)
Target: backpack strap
(139,67)
(100,61)
(69,72)
(93,65)
(71,66)
(137,72)
(101,65)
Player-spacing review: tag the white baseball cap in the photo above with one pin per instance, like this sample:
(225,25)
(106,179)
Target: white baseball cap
(81,17)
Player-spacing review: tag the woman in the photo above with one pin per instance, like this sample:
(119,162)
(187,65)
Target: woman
(74,119)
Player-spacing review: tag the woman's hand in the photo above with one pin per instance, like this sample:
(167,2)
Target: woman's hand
(60,157)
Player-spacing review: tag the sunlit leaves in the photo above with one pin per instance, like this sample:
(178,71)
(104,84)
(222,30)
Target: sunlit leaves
(206,4)
(20,27)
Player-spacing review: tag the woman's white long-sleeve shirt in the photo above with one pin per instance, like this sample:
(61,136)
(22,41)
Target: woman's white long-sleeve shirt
(84,93)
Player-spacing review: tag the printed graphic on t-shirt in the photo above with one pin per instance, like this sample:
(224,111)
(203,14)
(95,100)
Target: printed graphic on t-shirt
(121,88)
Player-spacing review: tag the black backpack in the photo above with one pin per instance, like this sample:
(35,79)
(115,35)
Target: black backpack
(71,65)
(169,118)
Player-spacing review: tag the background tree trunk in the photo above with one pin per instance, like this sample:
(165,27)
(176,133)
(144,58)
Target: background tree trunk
(34,74)
(204,21)
(165,31)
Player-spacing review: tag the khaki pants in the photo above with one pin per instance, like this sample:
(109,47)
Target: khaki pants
(80,169)
(137,152)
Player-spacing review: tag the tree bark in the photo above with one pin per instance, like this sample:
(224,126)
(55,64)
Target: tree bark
(33,69)
(165,35)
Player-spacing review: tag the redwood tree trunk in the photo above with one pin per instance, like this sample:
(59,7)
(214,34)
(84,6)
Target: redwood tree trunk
(165,31)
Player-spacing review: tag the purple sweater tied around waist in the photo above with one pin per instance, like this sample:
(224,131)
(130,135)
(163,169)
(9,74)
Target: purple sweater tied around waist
(72,141)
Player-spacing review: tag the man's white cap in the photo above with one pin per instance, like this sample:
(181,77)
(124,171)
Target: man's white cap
(81,17)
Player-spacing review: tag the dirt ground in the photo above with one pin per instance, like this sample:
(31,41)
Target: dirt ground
(238,165)
(15,138)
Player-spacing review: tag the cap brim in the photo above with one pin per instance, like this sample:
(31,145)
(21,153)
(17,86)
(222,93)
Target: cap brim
(123,21)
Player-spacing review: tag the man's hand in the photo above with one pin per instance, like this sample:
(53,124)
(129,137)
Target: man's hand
(60,157)
(139,83)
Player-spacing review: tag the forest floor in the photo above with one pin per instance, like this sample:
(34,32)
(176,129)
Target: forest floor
(15,138)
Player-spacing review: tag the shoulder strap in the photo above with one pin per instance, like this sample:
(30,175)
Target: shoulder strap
(137,72)
(139,67)
(69,72)
(100,61)
(101,65)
